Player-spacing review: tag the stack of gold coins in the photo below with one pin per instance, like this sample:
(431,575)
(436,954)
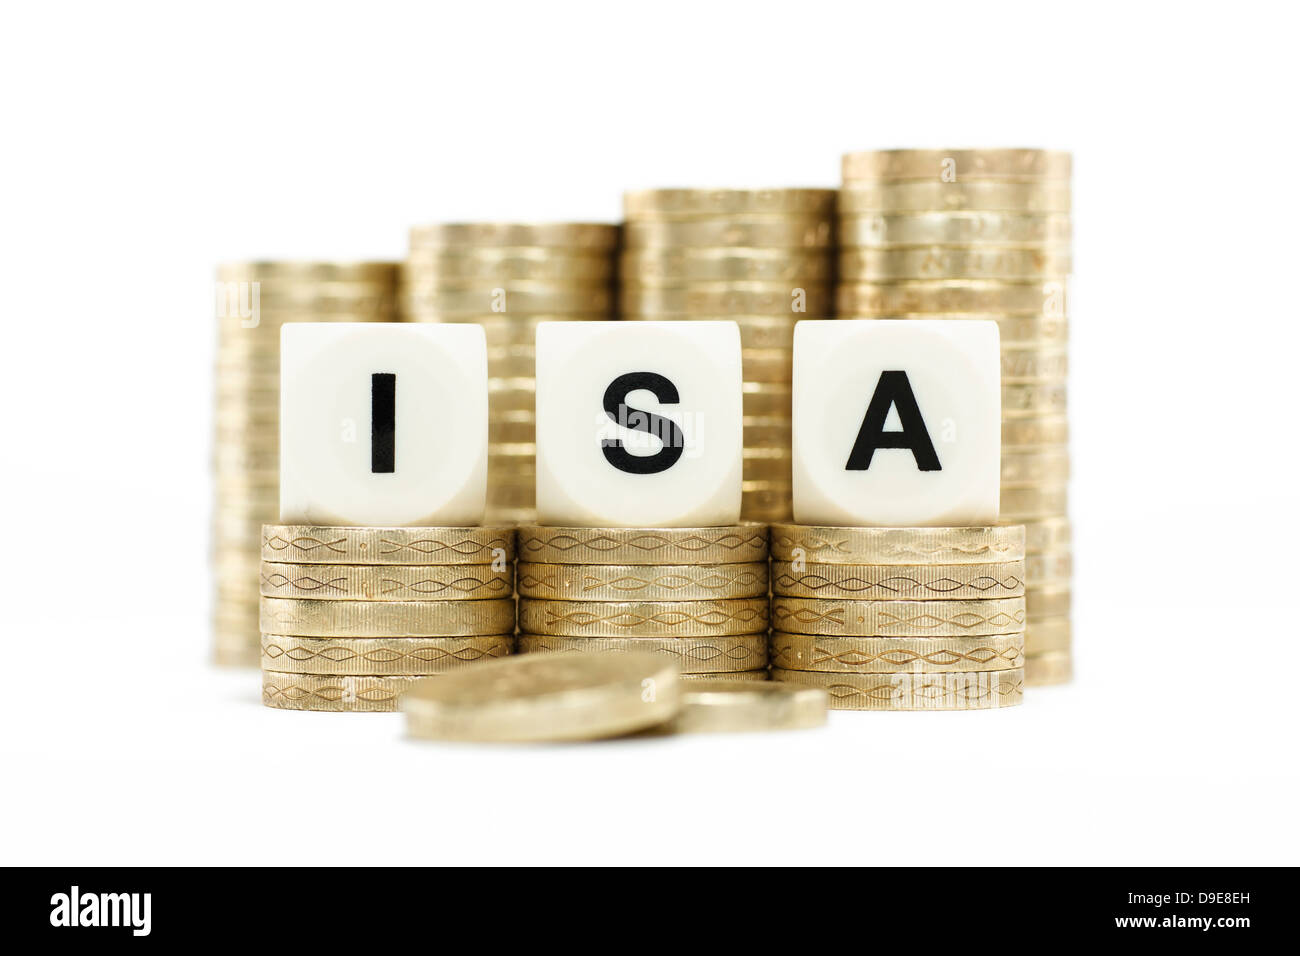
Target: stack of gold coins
(901,618)
(508,278)
(984,234)
(761,257)
(696,595)
(352,617)
(253,300)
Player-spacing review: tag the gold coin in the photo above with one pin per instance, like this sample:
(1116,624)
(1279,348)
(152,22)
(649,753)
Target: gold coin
(858,198)
(639,582)
(534,697)
(1047,600)
(898,618)
(706,203)
(386,618)
(979,690)
(888,655)
(704,618)
(1049,566)
(1034,364)
(571,235)
(945,262)
(826,545)
(727,706)
(963,165)
(1048,534)
(1047,635)
(388,582)
(508,430)
(755,232)
(766,501)
(1042,670)
(308,544)
(311,272)
(335,693)
(754,675)
(657,266)
(767,365)
(519,499)
(1022,433)
(1034,468)
(722,545)
(1039,501)
(1033,401)
(718,300)
(735,652)
(900,581)
(767,465)
(408,656)
(517,298)
(760,432)
(974,229)
(233,655)
(937,297)
(507,263)
(764,400)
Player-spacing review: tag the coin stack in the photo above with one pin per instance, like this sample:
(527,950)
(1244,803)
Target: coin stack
(984,234)
(761,257)
(696,595)
(252,301)
(352,617)
(901,618)
(508,278)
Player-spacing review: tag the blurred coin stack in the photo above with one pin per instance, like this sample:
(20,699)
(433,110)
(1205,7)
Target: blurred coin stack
(508,277)
(352,617)
(901,618)
(984,234)
(763,258)
(695,595)
(253,300)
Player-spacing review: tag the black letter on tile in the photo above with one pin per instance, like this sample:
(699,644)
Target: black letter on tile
(893,389)
(383,422)
(664,429)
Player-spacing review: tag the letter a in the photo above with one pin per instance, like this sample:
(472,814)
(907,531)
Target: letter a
(893,391)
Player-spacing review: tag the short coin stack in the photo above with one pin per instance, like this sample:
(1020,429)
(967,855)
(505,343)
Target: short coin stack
(901,618)
(695,595)
(508,277)
(761,257)
(984,234)
(352,617)
(253,300)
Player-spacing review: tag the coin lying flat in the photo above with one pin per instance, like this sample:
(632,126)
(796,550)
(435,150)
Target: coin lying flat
(702,264)
(333,693)
(962,165)
(889,655)
(578,235)
(312,618)
(538,697)
(306,544)
(1047,534)
(644,618)
(977,690)
(1054,667)
(1048,634)
(728,706)
(897,545)
(760,674)
(705,203)
(957,296)
(626,582)
(898,618)
(753,232)
(945,262)
(885,581)
(1050,197)
(376,656)
(391,582)
(969,229)
(703,655)
(722,545)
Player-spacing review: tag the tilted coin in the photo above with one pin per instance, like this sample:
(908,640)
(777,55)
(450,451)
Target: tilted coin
(574,235)
(1039,501)
(309,618)
(389,582)
(722,545)
(979,690)
(1049,566)
(308,544)
(753,232)
(1033,401)
(938,297)
(974,229)
(1023,433)
(659,266)
(507,263)
(755,675)
(372,656)
(1035,467)
(626,582)
(732,652)
(728,706)
(705,203)
(1047,600)
(858,198)
(897,545)
(961,165)
(723,299)
(310,271)
(347,693)
(898,618)
(899,581)
(1055,667)
(536,697)
(1047,534)
(807,652)
(1047,634)
(704,618)
(947,262)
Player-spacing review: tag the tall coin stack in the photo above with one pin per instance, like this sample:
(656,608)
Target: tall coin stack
(352,617)
(984,234)
(695,595)
(253,300)
(508,278)
(763,258)
(901,618)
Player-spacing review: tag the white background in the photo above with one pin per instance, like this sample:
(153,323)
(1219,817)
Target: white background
(143,144)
